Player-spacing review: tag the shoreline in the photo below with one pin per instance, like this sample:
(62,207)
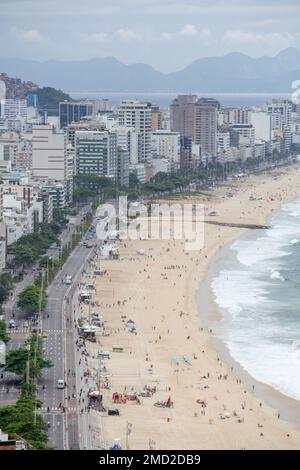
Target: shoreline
(288,406)
(159,292)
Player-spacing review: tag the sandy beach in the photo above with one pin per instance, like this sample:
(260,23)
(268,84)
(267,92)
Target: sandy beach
(154,284)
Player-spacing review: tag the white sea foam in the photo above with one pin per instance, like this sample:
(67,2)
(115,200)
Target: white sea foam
(236,290)
(251,252)
(261,322)
(276,275)
(274,364)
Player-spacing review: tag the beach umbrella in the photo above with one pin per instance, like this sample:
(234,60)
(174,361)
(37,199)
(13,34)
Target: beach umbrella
(186,360)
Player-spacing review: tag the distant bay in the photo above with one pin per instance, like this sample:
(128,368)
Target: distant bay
(163,99)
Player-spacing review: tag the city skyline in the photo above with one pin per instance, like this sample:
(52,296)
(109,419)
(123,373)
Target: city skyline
(168,34)
(149,228)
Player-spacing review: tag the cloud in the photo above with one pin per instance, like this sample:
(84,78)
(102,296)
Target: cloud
(115,36)
(96,38)
(187,31)
(127,34)
(168,34)
(281,39)
(30,35)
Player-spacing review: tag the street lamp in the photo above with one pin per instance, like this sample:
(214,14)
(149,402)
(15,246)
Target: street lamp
(152,444)
(128,432)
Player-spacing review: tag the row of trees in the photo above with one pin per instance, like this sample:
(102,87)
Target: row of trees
(88,187)
(21,420)
(27,362)
(33,299)
(30,248)
(91,187)
(4,337)
(6,286)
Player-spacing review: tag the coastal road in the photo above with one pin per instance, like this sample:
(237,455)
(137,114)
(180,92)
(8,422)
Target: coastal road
(20,334)
(53,323)
(58,324)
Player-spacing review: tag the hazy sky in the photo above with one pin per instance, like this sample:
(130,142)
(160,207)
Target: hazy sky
(167,34)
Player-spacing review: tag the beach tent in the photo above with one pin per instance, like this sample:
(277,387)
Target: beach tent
(115,447)
(175,359)
(94,394)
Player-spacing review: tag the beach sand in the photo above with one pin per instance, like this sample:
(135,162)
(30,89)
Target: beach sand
(158,291)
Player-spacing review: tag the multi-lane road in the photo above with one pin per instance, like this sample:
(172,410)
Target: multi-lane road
(60,406)
(59,347)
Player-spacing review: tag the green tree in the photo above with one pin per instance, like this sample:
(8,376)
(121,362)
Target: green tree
(4,293)
(25,254)
(49,99)
(21,421)
(3,332)
(32,299)
(6,281)
(17,359)
(134,182)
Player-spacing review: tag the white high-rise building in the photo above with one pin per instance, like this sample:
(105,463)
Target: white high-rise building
(128,139)
(166,144)
(262,123)
(232,116)
(284,108)
(139,116)
(243,135)
(48,153)
(13,109)
(223,140)
(2,90)
(3,232)
(105,105)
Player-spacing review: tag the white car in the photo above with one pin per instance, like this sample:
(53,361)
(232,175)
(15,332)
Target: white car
(60,383)
(213,214)
(68,280)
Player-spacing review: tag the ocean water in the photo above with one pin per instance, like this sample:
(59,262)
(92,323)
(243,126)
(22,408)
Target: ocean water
(164,99)
(257,289)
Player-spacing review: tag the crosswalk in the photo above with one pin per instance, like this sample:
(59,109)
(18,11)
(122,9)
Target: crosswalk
(54,331)
(26,330)
(19,331)
(56,409)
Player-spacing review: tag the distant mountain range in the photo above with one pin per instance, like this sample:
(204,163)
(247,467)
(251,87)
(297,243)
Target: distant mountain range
(232,73)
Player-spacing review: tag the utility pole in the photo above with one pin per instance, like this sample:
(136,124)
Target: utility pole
(37,334)
(128,432)
(28,366)
(152,444)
